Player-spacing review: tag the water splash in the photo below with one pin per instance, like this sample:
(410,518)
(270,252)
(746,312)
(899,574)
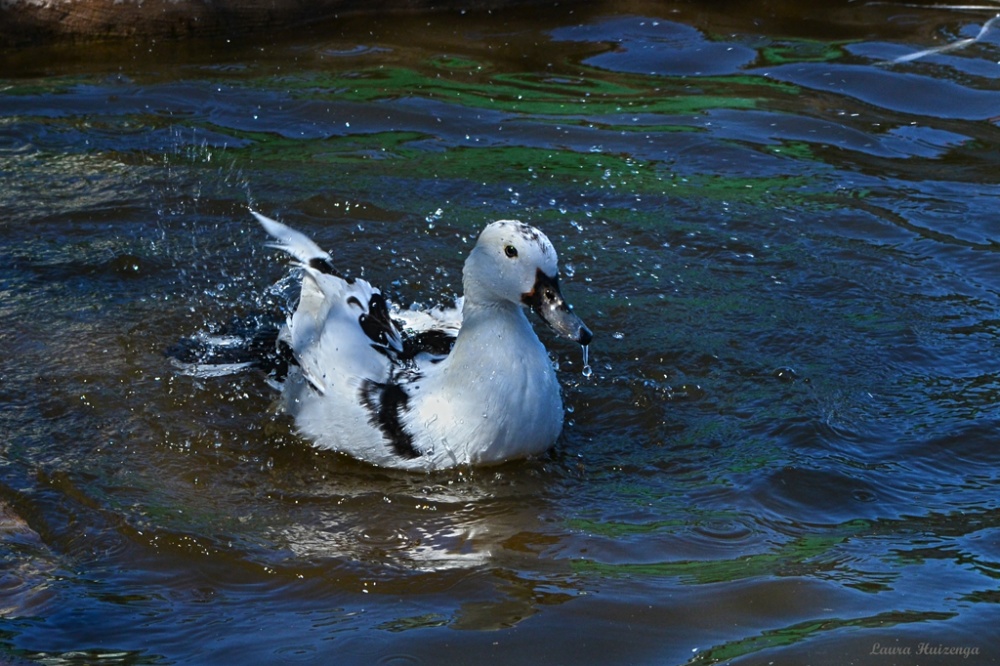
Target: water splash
(587,371)
(433,218)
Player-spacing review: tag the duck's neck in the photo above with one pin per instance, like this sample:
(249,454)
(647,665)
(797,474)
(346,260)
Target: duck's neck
(489,331)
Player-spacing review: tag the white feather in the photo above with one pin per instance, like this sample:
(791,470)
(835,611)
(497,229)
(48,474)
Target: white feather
(291,241)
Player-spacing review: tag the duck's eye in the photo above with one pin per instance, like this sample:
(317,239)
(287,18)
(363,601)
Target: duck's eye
(510,251)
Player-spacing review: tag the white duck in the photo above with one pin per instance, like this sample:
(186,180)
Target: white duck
(365,385)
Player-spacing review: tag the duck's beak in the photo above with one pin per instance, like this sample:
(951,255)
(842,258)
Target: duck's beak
(549,304)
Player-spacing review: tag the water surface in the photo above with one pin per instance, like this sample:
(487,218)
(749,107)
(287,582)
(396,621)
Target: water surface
(786,247)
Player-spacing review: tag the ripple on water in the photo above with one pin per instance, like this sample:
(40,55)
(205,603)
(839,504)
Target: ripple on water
(731,530)
(804,496)
(400,660)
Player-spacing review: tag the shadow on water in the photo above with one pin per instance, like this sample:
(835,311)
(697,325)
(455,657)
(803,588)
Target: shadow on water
(786,248)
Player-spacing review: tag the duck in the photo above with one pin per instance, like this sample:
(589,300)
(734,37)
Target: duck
(433,389)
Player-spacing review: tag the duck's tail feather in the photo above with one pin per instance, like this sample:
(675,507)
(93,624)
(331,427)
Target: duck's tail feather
(297,244)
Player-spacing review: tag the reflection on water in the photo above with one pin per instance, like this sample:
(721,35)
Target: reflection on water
(783,451)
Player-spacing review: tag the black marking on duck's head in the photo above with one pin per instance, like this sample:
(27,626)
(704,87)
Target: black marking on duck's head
(386,403)
(547,302)
(527,231)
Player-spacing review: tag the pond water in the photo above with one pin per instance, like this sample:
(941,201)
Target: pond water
(786,246)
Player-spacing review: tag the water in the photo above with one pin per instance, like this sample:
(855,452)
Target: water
(787,456)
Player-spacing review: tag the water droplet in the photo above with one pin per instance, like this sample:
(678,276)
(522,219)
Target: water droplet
(785,374)
(587,372)
(433,218)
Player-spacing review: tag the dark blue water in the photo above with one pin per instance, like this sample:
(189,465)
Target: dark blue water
(787,248)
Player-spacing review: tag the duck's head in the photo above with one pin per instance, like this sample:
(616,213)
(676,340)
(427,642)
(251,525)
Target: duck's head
(515,262)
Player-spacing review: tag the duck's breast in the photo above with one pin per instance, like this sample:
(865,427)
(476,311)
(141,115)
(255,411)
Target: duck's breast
(488,406)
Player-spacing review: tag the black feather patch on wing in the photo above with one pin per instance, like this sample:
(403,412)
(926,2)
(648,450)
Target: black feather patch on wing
(386,403)
(378,325)
(376,322)
(323,265)
(432,341)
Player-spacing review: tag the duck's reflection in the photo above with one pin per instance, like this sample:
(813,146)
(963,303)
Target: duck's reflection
(486,531)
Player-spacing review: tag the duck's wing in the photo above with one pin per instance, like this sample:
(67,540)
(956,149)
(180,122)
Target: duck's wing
(296,244)
(335,316)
